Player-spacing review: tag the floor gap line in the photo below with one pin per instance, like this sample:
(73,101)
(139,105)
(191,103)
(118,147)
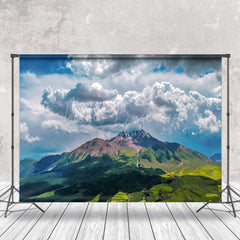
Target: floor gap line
(105,221)
(82,220)
(128,222)
(149,221)
(223,222)
(37,221)
(175,221)
(14,222)
(58,220)
(199,221)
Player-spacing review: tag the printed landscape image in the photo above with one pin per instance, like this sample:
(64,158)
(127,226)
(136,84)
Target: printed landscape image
(120,130)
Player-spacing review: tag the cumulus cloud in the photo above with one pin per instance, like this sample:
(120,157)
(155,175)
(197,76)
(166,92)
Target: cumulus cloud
(161,102)
(25,135)
(95,92)
(209,122)
(76,103)
(172,99)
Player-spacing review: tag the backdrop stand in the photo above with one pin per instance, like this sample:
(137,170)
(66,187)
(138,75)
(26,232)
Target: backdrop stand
(13,188)
(228,188)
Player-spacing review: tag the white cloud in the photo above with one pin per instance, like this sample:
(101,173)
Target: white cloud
(209,122)
(205,85)
(28,79)
(25,135)
(88,67)
(95,92)
(23,127)
(59,125)
(129,74)
(161,102)
(157,101)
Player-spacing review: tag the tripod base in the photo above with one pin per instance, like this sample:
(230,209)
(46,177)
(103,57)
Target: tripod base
(11,199)
(229,197)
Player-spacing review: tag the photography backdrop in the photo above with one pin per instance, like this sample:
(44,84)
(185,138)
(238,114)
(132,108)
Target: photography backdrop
(120,128)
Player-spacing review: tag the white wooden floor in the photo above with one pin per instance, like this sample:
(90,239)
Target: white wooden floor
(119,221)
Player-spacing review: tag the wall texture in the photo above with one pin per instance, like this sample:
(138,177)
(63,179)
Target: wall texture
(108,26)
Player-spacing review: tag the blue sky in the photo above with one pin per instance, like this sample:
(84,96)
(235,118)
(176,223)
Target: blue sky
(65,102)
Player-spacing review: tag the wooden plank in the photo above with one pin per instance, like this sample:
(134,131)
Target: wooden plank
(140,227)
(43,228)
(16,211)
(94,221)
(187,222)
(164,226)
(215,227)
(69,224)
(222,212)
(117,222)
(24,223)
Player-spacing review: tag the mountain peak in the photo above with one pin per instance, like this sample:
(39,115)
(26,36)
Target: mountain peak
(138,137)
(134,134)
(94,147)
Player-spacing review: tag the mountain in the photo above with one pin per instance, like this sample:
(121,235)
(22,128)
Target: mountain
(30,166)
(93,148)
(139,138)
(135,139)
(27,167)
(132,166)
(216,157)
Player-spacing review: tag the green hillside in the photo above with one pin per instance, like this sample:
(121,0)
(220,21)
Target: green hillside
(162,172)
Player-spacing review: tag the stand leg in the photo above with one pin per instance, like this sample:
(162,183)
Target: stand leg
(230,196)
(224,189)
(230,200)
(38,207)
(13,195)
(8,203)
(203,207)
(32,203)
(208,202)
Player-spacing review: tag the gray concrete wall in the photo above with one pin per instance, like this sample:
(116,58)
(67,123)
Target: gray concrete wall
(107,26)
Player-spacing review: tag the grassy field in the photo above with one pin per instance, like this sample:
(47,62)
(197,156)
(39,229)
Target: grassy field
(161,175)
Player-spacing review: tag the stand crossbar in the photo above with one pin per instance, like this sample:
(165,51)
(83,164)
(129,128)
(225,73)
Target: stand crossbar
(228,188)
(12,188)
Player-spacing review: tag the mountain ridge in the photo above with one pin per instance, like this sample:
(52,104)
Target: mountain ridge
(122,168)
(140,143)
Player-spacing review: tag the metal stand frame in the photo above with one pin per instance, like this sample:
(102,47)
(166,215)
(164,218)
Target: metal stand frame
(228,188)
(12,187)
